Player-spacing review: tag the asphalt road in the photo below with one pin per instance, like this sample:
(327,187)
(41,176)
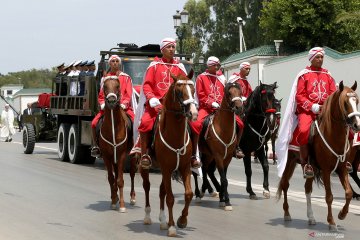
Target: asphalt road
(44,198)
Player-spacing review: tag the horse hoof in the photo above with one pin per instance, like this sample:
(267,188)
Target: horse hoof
(287,218)
(202,194)
(333,228)
(198,200)
(172,231)
(266,194)
(147,221)
(253,197)
(357,198)
(311,221)
(221,204)
(113,206)
(228,208)
(181,224)
(132,201)
(164,226)
(341,215)
(214,194)
(122,210)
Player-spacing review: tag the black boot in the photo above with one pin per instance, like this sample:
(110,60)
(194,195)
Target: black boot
(95,150)
(238,152)
(195,162)
(304,158)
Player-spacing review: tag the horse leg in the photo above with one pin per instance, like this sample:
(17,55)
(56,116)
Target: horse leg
(329,200)
(197,191)
(132,176)
(166,180)
(248,172)
(356,179)
(273,148)
(120,182)
(162,215)
(146,186)
(111,180)
(265,166)
(182,220)
(224,183)
(344,179)
(308,191)
(211,174)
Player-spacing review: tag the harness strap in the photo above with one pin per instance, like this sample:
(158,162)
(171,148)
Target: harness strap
(261,137)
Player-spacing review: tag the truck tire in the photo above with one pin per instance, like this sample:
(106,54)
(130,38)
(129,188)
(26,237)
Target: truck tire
(74,149)
(28,138)
(62,139)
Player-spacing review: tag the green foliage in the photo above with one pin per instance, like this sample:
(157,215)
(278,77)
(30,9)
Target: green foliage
(303,24)
(30,79)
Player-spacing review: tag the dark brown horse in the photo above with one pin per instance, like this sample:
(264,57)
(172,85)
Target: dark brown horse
(328,152)
(219,143)
(172,151)
(115,142)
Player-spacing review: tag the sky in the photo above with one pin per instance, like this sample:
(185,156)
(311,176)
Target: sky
(41,34)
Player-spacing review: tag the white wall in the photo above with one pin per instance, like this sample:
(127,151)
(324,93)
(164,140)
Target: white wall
(284,72)
(21,101)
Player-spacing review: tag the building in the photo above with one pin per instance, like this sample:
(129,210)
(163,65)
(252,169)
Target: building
(267,67)
(8,91)
(27,95)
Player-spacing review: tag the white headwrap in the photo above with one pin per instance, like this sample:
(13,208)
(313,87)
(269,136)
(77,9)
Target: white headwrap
(213,61)
(115,57)
(244,64)
(166,42)
(315,51)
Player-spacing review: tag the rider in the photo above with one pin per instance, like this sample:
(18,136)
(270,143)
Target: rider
(310,90)
(157,81)
(125,101)
(241,79)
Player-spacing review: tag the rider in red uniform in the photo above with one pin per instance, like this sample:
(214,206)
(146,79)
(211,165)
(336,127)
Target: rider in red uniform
(314,85)
(156,84)
(126,89)
(241,79)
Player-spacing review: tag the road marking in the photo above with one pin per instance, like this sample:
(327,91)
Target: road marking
(299,196)
(47,148)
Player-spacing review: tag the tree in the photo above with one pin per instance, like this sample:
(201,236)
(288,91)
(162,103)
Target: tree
(348,16)
(33,78)
(303,24)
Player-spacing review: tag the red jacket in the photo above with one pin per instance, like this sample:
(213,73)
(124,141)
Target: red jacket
(313,87)
(244,84)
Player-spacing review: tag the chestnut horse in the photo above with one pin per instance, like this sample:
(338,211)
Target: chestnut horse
(115,142)
(219,141)
(327,152)
(172,151)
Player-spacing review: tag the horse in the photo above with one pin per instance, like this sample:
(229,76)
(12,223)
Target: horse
(273,133)
(327,152)
(172,148)
(200,194)
(115,142)
(259,119)
(217,142)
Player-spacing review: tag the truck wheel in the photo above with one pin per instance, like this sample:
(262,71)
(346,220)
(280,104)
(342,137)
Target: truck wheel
(28,138)
(74,149)
(62,139)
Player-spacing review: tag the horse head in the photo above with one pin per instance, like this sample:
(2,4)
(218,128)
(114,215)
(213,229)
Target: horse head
(233,97)
(111,90)
(348,101)
(182,101)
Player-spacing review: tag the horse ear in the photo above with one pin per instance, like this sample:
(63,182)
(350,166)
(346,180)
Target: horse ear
(280,100)
(275,85)
(173,76)
(341,86)
(190,74)
(354,86)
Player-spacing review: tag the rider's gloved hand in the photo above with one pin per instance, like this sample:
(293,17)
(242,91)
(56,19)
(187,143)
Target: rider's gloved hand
(215,105)
(122,106)
(154,102)
(315,108)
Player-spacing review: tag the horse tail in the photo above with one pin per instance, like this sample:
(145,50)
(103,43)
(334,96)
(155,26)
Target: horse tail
(287,174)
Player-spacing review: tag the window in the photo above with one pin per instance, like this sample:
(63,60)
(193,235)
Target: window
(9,92)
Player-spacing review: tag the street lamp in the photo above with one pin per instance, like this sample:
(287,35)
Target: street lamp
(277,45)
(241,23)
(180,20)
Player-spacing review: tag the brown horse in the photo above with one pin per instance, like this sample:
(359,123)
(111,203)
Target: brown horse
(172,151)
(115,142)
(328,152)
(220,141)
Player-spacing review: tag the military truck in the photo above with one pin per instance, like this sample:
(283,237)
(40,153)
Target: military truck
(75,113)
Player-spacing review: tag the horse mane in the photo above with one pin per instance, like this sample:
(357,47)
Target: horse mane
(251,100)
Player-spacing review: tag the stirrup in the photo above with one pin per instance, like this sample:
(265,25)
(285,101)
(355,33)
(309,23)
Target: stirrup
(145,161)
(195,163)
(95,152)
(349,167)
(308,171)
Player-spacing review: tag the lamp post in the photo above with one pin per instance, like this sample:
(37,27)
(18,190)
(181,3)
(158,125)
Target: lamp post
(277,46)
(180,20)
(241,23)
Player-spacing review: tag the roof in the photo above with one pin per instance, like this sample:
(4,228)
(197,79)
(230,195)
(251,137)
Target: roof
(328,52)
(32,91)
(265,50)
